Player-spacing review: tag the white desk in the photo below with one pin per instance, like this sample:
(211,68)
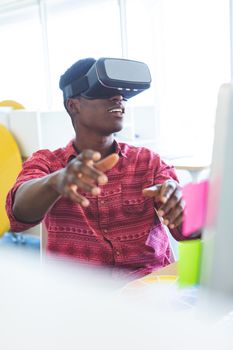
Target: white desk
(198,167)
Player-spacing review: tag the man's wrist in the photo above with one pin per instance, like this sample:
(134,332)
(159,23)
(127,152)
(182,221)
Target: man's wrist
(54,182)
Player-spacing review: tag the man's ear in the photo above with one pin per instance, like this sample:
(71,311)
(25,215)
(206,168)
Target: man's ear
(73,105)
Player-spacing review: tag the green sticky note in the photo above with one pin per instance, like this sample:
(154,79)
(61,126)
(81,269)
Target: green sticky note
(189,258)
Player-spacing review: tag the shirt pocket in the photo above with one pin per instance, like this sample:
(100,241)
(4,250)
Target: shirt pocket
(133,201)
(157,239)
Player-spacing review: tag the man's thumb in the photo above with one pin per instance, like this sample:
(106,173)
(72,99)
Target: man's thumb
(153,191)
(107,163)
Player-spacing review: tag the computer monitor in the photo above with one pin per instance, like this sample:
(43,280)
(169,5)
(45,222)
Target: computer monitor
(217,258)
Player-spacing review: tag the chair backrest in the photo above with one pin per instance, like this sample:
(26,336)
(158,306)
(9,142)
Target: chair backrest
(10,165)
(11,103)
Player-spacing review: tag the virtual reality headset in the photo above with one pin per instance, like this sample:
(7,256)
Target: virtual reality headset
(109,77)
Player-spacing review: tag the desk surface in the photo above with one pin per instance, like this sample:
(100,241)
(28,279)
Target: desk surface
(162,286)
(165,274)
(169,270)
(189,163)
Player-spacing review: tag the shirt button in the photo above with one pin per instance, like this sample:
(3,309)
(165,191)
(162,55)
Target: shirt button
(117,252)
(102,202)
(105,230)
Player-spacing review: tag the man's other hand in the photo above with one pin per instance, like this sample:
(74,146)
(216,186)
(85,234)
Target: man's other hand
(168,201)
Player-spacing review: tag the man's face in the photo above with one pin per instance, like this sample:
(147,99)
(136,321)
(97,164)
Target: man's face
(105,116)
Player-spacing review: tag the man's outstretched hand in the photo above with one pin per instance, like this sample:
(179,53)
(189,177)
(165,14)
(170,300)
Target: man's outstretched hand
(169,202)
(86,173)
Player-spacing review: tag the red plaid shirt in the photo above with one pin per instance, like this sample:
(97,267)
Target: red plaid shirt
(120,227)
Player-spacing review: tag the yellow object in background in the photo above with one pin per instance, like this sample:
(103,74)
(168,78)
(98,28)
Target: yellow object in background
(11,103)
(10,166)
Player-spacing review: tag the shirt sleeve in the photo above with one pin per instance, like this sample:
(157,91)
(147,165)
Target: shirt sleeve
(164,172)
(38,165)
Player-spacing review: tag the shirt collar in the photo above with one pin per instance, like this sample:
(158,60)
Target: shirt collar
(71,153)
(119,149)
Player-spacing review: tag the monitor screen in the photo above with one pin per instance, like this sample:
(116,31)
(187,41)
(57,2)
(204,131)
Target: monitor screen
(217,260)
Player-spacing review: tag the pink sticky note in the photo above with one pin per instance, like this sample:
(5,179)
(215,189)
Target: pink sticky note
(195,196)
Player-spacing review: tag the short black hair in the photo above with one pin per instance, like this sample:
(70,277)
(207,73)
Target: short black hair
(76,71)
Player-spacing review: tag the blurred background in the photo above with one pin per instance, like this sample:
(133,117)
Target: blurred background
(185,43)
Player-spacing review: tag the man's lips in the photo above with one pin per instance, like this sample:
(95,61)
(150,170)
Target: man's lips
(116,109)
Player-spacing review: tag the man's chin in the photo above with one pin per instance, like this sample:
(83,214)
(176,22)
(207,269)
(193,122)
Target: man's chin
(117,128)
(114,130)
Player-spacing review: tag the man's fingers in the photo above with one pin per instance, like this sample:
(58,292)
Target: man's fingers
(170,217)
(177,222)
(169,198)
(107,163)
(85,167)
(89,156)
(161,192)
(84,172)
(167,190)
(153,191)
(76,197)
(171,204)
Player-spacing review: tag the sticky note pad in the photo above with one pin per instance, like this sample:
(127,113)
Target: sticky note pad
(195,197)
(189,257)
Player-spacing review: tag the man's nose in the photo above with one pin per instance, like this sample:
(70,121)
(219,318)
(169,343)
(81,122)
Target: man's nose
(117,98)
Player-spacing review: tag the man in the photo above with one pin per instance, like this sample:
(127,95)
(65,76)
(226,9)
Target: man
(103,212)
